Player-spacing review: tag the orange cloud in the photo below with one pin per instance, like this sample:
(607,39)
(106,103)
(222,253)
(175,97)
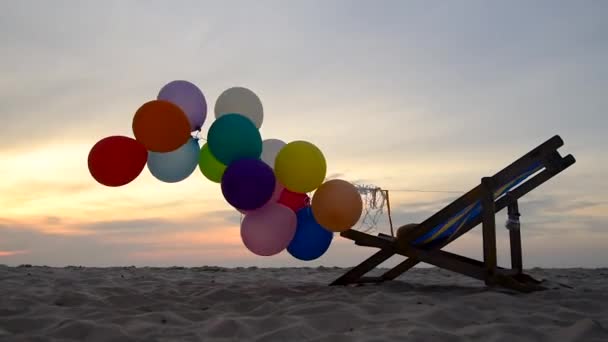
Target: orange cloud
(207,237)
(11,253)
(217,247)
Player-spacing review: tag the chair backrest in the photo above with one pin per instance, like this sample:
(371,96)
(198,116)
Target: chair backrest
(451,226)
(448,221)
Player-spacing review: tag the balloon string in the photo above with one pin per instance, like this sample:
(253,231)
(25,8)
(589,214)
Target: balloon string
(197,136)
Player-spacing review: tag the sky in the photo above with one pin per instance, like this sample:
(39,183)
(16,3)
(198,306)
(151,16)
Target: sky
(399,94)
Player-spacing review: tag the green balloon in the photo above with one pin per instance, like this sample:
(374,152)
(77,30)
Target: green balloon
(232,137)
(210,166)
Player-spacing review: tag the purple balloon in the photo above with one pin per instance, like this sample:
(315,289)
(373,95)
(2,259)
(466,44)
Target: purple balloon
(248,184)
(189,98)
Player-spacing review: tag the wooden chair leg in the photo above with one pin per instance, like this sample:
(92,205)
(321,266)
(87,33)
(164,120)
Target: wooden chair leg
(360,270)
(489,229)
(513,225)
(401,268)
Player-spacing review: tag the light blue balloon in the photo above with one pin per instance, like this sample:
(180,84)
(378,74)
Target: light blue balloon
(174,166)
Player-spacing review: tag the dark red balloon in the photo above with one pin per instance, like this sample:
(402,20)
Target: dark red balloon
(117,160)
(294,200)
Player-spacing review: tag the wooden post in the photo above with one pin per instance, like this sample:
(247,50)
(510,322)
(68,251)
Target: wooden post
(388,209)
(514,235)
(489,229)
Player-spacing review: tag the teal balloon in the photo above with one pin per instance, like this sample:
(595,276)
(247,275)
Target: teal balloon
(232,137)
(174,166)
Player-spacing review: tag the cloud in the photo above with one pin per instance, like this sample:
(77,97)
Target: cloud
(206,240)
(114,243)
(451,78)
(165,244)
(147,226)
(154,225)
(335,175)
(11,253)
(23,193)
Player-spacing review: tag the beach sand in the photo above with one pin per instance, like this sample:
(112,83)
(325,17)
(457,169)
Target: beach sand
(292,304)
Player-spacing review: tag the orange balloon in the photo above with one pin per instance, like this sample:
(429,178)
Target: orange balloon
(337,205)
(161,126)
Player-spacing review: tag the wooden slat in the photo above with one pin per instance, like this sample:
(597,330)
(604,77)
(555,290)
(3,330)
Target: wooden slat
(450,264)
(363,239)
(401,268)
(535,154)
(462,258)
(411,262)
(358,271)
(445,260)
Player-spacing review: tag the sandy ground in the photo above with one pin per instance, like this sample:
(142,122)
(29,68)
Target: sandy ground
(292,304)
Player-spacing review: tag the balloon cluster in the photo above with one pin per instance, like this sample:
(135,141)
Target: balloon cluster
(268,181)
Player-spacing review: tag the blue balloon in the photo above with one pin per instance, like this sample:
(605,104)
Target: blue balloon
(174,166)
(311,240)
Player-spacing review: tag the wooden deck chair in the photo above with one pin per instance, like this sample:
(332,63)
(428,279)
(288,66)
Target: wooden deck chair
(424,242)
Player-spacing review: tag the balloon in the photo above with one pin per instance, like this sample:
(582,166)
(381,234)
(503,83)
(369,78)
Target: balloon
(242,101)
(270,149)
(174,166)
(234,137)
(161,126)
(337,205)
(300,166)
(117,160)
(311,240)
(189,98)
(293,200)
(210,166)
(248,184)
(268,230)
(278,189)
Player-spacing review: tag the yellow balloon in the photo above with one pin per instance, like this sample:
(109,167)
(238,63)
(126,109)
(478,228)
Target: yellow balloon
(300,166)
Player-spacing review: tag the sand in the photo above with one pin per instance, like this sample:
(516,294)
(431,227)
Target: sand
(292,304)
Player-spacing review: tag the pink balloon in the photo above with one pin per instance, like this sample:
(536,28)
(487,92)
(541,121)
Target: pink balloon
(269,230)
(278,189)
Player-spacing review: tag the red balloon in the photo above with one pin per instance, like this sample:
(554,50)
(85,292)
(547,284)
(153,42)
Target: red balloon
(294,200)
(117,160)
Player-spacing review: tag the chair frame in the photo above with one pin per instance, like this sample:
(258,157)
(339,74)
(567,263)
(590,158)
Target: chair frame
(486,270)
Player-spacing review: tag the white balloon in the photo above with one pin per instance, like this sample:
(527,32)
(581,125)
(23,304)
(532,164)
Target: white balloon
(270,149)
(242,101)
